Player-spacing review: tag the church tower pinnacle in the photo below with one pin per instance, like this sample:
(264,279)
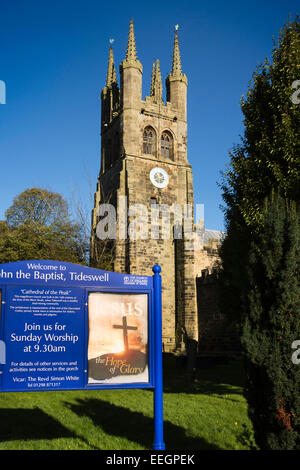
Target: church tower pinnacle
(176,63)
(156,83)
(131,71)
(111,76)
(131,47)
(152,90)
(176,82)
(110,95)
(131,53)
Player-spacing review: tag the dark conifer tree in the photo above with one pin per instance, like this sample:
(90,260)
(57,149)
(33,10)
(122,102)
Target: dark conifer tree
(271,324)
(259,277)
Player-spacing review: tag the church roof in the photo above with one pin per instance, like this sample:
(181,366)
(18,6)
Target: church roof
(213,234)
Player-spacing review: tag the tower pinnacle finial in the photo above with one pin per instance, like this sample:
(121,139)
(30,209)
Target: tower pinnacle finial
(176,82)
(131,55)
(111,76)
(176,62)
(158,83)
(131,47)
(152,89)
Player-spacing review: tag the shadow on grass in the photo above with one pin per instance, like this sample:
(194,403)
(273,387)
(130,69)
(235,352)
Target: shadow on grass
(22,424)
(134,426)
(214,378)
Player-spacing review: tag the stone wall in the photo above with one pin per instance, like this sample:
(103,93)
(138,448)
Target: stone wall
(217,335)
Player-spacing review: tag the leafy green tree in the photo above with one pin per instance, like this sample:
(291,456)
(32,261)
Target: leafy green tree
(267,160)
(267,157)
(38,226)
(269,153)
(37,206)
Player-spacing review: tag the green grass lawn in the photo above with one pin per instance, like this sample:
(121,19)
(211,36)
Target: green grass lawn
(208,414)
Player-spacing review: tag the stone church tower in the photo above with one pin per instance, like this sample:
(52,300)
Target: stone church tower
(144,162)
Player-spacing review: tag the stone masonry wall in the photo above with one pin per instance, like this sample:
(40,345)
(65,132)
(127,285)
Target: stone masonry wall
(217,336)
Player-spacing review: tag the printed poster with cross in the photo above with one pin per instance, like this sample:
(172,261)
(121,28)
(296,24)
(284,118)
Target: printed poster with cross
(118,338)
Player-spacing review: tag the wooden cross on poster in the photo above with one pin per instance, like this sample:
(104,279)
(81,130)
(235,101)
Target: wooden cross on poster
(125,329)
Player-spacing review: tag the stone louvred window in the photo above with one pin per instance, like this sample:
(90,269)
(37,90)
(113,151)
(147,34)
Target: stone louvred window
(166,145)
(149,141)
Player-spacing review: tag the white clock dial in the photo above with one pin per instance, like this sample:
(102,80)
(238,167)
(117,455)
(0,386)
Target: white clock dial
(159,177)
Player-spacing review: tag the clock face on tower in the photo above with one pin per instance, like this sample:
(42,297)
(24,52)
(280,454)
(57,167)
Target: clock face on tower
(159,177)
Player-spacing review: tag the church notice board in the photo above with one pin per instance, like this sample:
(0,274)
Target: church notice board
(64,326)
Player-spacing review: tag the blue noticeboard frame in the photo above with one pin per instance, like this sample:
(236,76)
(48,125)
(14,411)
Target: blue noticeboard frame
(56,328)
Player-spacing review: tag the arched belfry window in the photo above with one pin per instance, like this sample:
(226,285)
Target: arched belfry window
(149,141)
(166,145)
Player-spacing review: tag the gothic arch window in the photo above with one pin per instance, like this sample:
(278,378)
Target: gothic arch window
(166,145)
(149,140)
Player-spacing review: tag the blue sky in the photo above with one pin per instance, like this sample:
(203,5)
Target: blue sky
(54,60)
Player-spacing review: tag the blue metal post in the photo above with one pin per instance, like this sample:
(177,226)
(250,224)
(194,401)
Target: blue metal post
(158,372)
